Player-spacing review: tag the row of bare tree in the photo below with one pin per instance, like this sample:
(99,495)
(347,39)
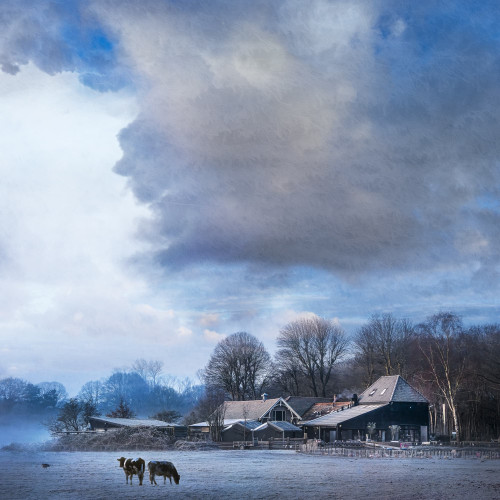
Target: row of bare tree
(456,368)
(309,348)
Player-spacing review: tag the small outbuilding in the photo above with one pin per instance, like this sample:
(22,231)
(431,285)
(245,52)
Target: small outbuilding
(105,423)
(240,430)
(277,430)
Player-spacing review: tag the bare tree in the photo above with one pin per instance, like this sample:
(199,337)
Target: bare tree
(92,392)
(210,408)
(148,370)
(315,345)
(239,365)
(140,366)
(366,353)
(69,415)
(288,377)
(383,346)
(442,346)
(53,389)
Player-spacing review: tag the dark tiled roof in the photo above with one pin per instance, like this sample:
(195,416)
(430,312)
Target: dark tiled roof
(302,404)
(320,409)
(249,424)
(337,417)
(251,410)
(279,426)
(391,388)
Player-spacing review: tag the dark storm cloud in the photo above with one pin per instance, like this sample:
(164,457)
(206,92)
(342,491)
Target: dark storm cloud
(342,135)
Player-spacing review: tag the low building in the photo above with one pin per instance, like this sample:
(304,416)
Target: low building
(277,430)
(240,430)
(393,405)
(107,423)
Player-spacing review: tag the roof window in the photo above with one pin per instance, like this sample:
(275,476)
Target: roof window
(382,391)
(373,392)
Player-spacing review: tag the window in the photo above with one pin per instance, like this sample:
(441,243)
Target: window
(373,392)
(382,391)
(279,415)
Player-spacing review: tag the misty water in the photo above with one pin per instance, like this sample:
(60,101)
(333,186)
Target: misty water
(248,474)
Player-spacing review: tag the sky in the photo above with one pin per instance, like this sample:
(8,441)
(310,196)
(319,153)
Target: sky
(176,171)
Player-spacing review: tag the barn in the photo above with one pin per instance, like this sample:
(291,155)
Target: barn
(105,423)
(397,410)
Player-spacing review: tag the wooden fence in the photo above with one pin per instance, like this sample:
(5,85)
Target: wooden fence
(380,452)
(275,444)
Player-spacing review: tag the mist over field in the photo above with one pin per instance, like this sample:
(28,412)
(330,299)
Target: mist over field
(22,430)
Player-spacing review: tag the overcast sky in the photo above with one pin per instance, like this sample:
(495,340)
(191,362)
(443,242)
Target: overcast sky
(176,171)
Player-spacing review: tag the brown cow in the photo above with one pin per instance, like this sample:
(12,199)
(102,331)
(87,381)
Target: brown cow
(131,467)
(165,469)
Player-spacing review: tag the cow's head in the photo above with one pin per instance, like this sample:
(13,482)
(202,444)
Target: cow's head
(121,460)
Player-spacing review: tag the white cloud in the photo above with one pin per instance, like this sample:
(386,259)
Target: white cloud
(213,336)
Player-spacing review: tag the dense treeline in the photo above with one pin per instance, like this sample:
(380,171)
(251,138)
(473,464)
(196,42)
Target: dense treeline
(140,391)
(20,398)
(456,368)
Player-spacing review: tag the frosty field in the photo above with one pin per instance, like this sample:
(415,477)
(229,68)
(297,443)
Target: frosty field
(246,475)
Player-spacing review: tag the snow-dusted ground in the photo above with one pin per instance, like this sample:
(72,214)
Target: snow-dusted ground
(247,475)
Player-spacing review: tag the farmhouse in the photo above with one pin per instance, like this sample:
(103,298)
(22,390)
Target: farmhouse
(105,423)
(242,417)
(397,409)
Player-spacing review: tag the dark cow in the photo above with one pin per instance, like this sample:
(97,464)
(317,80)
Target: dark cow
(131,467)
(165,469)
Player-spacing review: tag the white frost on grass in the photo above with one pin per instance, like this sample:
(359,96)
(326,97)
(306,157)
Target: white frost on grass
(247,474)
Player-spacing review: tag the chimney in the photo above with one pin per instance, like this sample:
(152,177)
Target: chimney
(354,399)
(264,396)
(334,398)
